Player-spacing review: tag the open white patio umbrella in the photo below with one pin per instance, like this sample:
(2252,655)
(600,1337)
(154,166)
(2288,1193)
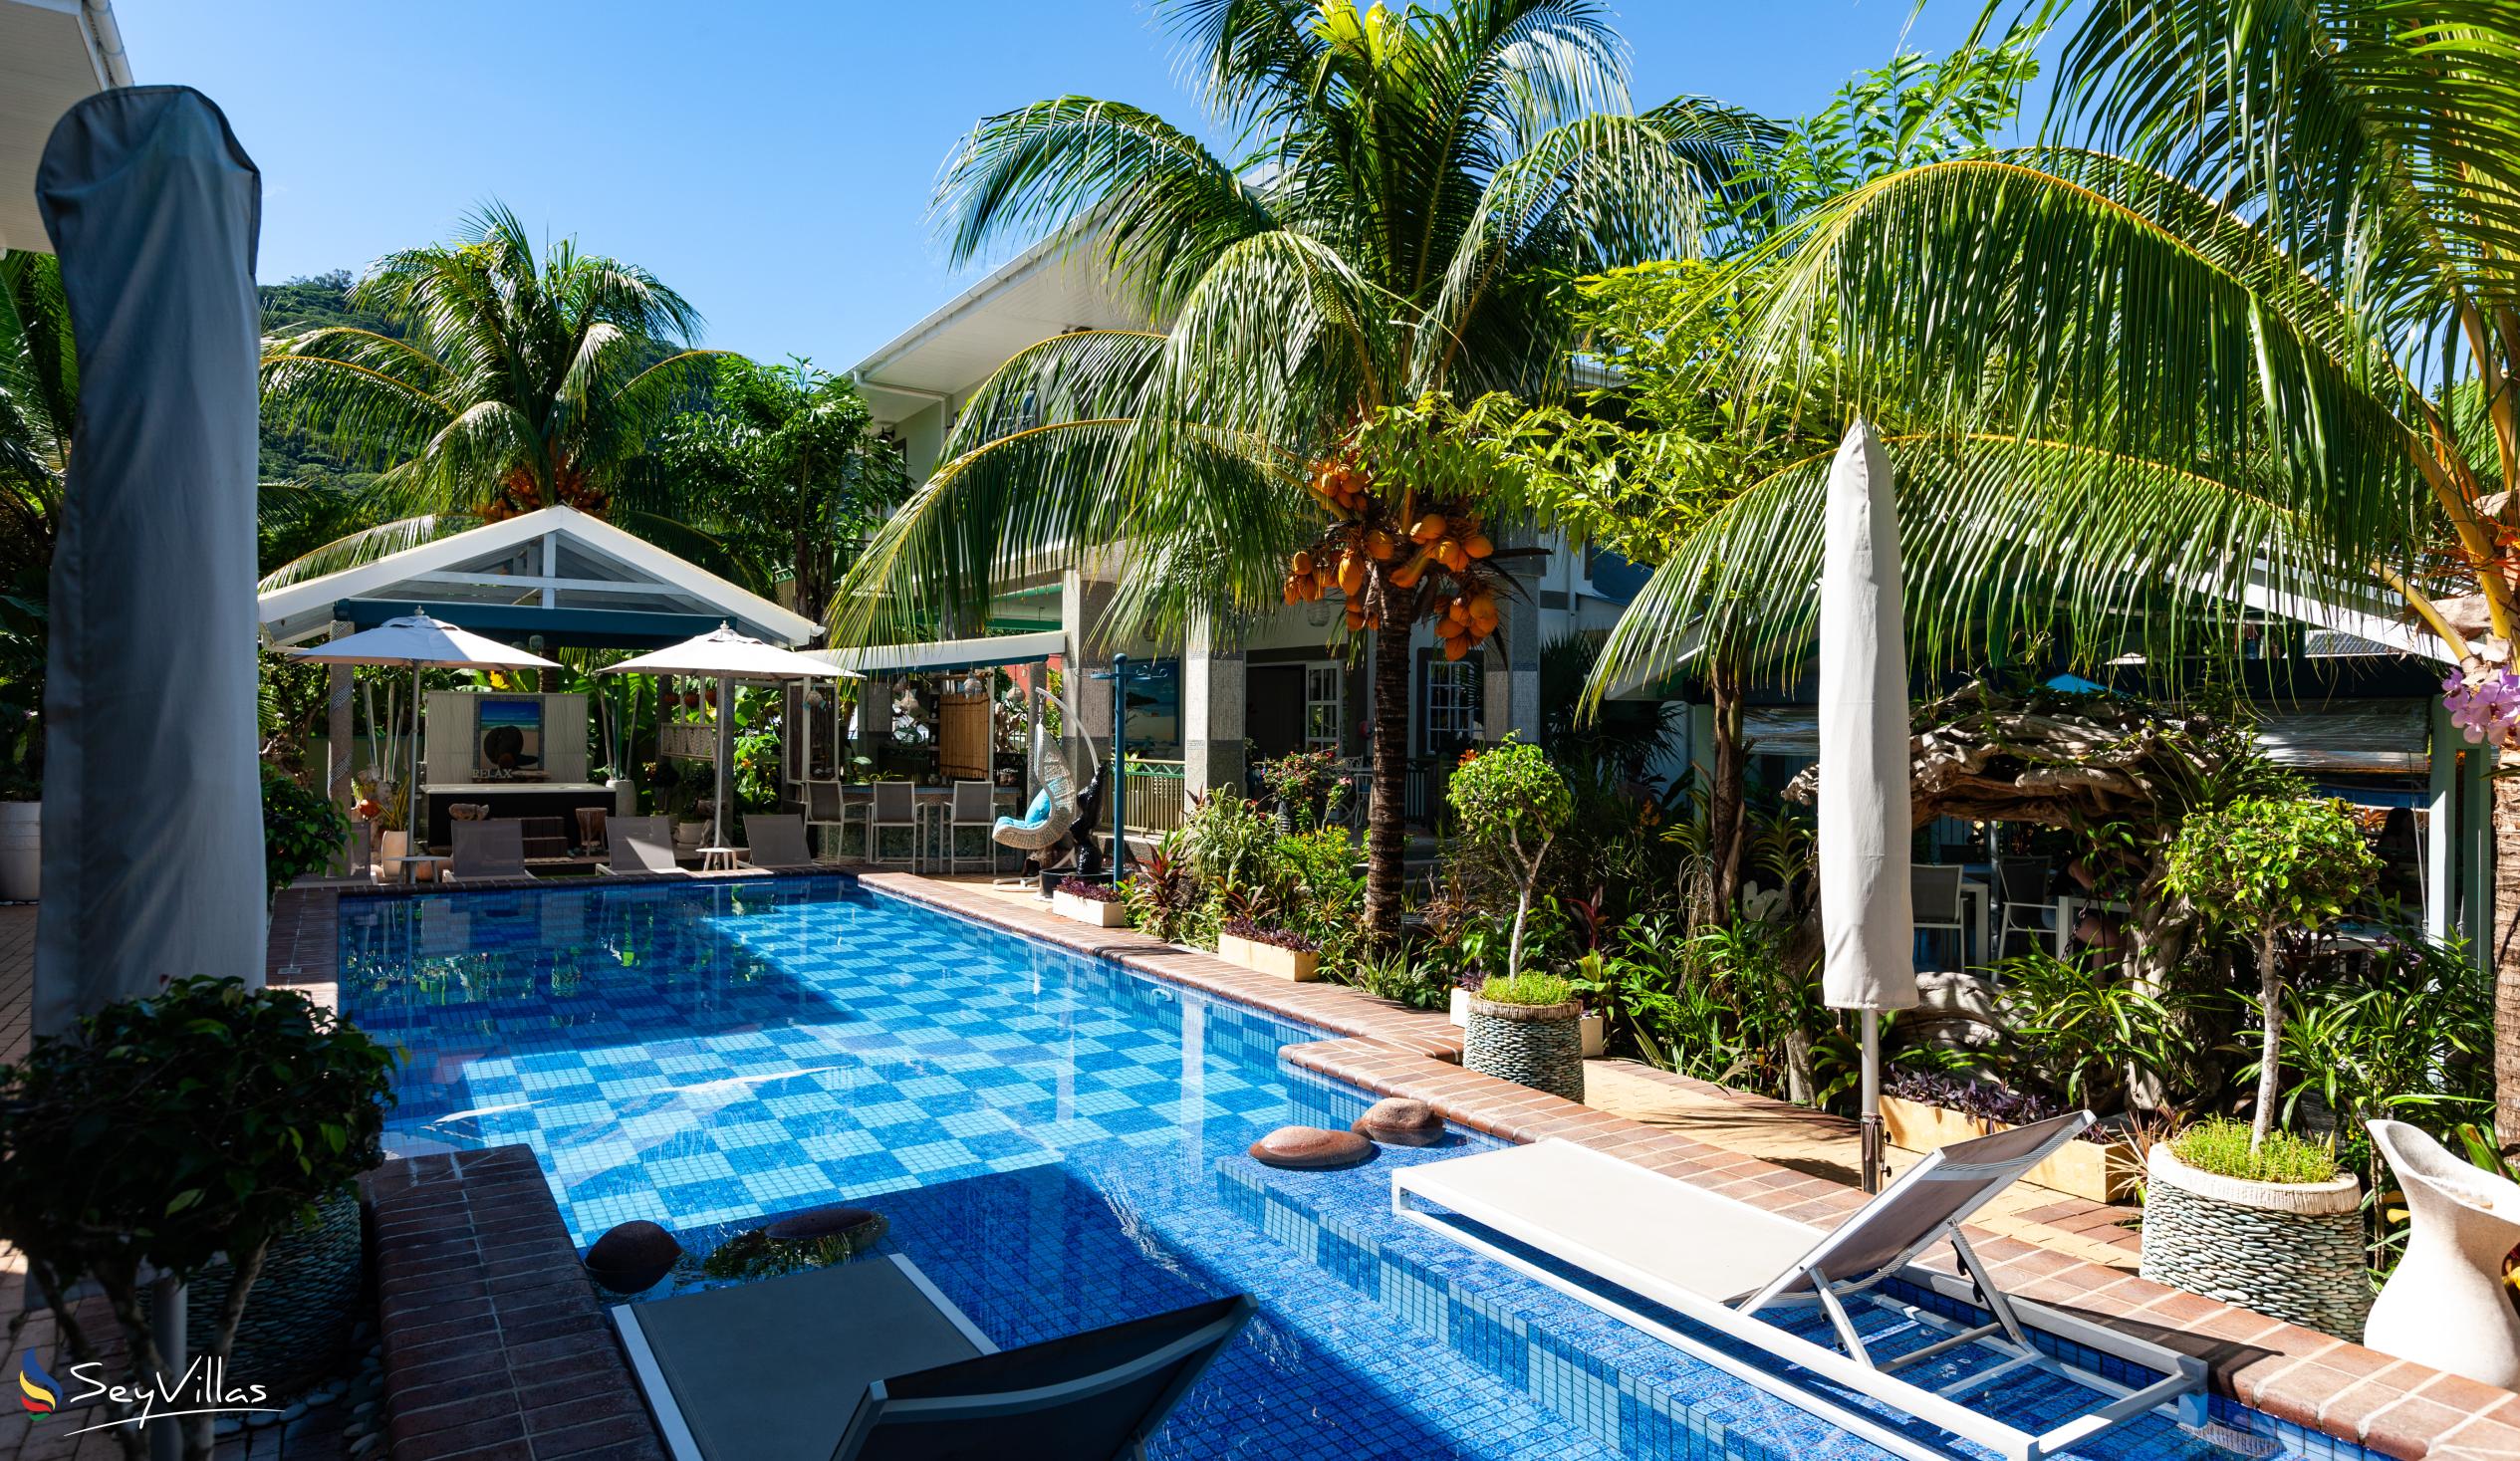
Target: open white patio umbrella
(1865,827)
(421,643)
(730,656)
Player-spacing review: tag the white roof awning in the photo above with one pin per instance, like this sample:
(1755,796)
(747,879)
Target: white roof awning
(947,655)
(53,54)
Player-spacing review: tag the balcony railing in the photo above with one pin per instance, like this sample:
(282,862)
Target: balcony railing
(1158,797)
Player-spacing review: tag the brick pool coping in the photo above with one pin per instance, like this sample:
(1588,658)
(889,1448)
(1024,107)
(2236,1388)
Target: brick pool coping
(2310,1380)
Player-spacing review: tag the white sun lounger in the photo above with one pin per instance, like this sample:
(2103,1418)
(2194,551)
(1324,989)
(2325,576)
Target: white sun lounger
(1718,1262)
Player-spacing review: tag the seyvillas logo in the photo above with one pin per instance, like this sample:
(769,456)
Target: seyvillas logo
(37,1391)
(203,1390)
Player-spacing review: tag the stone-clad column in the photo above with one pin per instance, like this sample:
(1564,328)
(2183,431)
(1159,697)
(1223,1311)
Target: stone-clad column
(1211,711)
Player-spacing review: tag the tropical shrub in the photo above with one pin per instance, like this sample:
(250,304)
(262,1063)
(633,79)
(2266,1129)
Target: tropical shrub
(1228,841)
(302,832)
(1164,898)
(1319,889)
(1392,975)
(2262,865)
(2085,1033)
(202,1121)
(1511,803)
(1307,786)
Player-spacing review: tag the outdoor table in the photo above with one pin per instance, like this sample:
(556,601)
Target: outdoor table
(720,859)
(408,859)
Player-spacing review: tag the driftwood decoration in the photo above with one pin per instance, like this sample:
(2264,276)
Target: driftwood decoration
(2055,758)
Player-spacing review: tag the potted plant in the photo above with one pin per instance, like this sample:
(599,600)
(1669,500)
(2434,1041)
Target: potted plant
(1924,1111)
(1525,1027)
(1307,788)
(212,1134)
(1097,903)
(1265,950)
(2264,1221)
(1512,804)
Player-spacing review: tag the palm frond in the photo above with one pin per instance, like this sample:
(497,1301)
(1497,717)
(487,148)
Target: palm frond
(366,546)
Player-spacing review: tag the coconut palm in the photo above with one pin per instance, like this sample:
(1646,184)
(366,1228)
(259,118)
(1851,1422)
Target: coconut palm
(1418,184)
(505,382)
(2254,328)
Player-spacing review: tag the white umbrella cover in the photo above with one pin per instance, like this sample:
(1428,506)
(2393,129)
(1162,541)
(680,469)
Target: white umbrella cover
(1865,826)
(730,656)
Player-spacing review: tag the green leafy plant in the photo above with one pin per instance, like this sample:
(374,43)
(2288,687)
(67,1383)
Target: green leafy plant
(2262,865)
(1307,785)
(2085,1031)
(1528,989)
(1512,803)
(2248,1155)
(1164,898)
(1392,974)
(202,1121)
(302,832)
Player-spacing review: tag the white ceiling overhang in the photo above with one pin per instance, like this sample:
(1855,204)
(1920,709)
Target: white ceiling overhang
(53,55)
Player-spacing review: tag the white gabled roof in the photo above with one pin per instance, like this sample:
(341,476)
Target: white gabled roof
(949,654)
(53,54)
(557,558)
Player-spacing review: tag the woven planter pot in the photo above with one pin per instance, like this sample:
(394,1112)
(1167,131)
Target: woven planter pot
(2292,1252)
(297,1318)
(1539,1046)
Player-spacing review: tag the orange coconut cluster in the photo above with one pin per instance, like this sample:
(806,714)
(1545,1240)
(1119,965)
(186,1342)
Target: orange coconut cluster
(1377,551)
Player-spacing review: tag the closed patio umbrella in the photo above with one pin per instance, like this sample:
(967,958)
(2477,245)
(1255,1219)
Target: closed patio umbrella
(152,848)
(421,643)
(1865,826)
(729,656)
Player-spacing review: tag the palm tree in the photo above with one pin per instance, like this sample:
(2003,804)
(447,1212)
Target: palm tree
(506,382)
(38,398)
(1417,183)
(2258,325)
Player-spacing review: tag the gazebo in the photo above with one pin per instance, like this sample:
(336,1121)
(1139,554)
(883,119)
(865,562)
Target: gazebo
(541,581)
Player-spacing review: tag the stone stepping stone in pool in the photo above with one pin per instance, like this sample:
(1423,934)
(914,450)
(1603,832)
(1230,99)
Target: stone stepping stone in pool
(1399,1122)
(1310,1148)
(630,1257)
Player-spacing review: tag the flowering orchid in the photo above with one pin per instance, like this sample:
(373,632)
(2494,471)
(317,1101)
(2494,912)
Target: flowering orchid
(2483,698)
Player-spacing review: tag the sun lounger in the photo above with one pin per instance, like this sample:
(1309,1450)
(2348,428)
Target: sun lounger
(1741,1272)
(488,850)
(640,845)
(774,841)
(870,1359)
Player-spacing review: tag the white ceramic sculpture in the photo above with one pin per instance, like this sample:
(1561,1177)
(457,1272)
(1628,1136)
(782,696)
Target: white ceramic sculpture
(2446,1306)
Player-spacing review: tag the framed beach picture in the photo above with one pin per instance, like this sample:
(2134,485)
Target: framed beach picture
(508,737)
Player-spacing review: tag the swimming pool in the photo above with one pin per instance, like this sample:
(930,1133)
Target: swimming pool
(1059,1144)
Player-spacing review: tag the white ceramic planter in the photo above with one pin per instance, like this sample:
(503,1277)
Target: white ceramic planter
(2445,1306)
(21,851)
(1461,1008)
(1596,1036)
(392,849)
(1113,915)
(1267,958)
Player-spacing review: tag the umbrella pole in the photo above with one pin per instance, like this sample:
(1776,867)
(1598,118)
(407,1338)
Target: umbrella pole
(726,750)
(1871,1125)
(414,805)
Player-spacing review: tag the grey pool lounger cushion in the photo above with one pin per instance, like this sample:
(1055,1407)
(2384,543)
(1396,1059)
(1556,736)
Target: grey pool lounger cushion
(640,845)
(493,849)
(1718,1262)
(869,1361)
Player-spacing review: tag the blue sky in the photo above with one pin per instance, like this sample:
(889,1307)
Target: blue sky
(771,160)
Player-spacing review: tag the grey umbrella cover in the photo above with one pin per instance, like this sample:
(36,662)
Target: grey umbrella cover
(153,801)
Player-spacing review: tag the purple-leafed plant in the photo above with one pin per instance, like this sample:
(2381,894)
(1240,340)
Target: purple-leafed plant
(1987,1101)
(1096,892)
(1284,938)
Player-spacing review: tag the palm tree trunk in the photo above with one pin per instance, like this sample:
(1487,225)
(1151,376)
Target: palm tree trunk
(1725,819)
(1385,838)
(2504,929)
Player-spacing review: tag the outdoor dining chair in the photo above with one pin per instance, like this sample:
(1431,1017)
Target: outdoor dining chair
(2027,908)
(1934,895)
(975,809)
(895,804)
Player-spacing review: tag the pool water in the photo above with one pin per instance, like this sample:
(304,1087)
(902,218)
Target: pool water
(1058,1143)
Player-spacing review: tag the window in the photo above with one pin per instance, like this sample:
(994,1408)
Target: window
(1325,707)
(1452,701)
